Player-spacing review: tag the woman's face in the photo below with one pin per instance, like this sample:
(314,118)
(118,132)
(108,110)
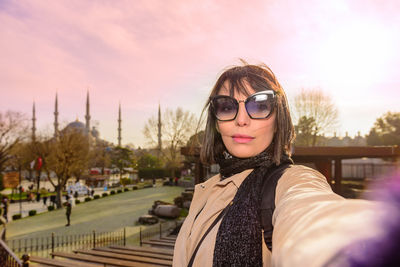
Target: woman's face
(244,137)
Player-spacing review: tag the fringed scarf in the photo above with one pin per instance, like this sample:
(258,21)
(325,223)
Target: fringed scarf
(239,237)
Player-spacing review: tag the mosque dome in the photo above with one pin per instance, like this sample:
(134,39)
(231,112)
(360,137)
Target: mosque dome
(76,126)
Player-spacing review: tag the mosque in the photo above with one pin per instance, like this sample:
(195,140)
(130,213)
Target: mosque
(92,133)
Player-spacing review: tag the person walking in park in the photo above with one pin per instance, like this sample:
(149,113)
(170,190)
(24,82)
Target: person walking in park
(68,213)
(44,192)
(5,207)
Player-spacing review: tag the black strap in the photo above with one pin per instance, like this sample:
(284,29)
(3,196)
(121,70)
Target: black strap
(268,202)
(206,233)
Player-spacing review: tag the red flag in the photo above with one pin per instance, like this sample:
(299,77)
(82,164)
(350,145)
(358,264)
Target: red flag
(39,164)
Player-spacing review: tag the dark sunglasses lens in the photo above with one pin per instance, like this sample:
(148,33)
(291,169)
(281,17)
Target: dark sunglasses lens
(225,108)
(259,106)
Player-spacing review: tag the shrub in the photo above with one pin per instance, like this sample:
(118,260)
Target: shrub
(87,199)
(32,212)
(134,187)
(152,172)
(77,201)
(125,181)
(50,208)
(16,216)
(126,189)
(119,191)
(112,192)
(104,194)
(96,196)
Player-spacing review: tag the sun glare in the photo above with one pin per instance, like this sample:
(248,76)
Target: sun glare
(355,56)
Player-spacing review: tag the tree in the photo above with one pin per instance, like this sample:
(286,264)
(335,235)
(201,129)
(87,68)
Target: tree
(315,113)
(68,155)
(39,148)
(177,127)
(304,131)
(386,130)
(122,158)
(100,156)
(12,131)
(148,161)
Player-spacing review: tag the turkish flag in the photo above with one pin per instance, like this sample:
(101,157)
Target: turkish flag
(39,164)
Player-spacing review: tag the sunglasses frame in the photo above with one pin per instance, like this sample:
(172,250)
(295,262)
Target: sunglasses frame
(268,92)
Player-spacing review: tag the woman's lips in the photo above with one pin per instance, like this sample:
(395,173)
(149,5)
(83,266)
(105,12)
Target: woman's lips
(242,139)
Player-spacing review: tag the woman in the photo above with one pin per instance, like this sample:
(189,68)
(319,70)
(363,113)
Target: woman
(249,133)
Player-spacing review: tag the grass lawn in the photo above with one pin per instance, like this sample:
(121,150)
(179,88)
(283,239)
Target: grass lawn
(102,215)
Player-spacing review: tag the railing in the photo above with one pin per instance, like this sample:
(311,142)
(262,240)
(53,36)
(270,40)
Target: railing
(7,257)
(44,246)
(367,170)
(156,231)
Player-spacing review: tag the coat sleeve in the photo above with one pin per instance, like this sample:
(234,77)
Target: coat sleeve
(312,223)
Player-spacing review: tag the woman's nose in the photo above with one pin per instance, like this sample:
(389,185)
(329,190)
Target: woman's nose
(242,118)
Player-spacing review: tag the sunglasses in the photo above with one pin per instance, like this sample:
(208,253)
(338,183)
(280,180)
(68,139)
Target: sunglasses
(259,106)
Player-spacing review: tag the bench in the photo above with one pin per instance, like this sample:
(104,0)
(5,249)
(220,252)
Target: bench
(159,244)
(168,238)
(59,263)
(101,260)
(163,240)
(160,251)
(111,255)
(136,253)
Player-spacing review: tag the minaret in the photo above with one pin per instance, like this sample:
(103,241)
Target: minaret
(87,116)
(56,118)
(119,125)
(159,129)
(33,123)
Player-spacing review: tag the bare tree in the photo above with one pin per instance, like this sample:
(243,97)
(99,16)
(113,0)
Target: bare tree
(12,131)
(177,127)
(68,156)
(315,114)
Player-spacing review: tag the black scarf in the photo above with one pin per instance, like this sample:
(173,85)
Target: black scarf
(239,237)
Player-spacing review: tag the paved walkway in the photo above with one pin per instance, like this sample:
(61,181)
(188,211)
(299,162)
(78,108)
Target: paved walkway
(105,214)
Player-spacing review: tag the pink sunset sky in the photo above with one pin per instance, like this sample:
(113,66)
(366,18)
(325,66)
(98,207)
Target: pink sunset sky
(141,53)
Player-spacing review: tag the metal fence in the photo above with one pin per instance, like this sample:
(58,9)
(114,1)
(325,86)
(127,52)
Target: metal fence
(44,246)
(7,256)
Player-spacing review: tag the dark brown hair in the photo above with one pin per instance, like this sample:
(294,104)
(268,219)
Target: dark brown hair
(260,78)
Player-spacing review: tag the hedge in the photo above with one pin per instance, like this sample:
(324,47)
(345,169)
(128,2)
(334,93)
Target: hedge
(119,191)
(32,212)
(77,201)
(96,196)
(16,216)
(50,208)
(125,181)
(152,173)
(126,189)
(87,199)
(104,194)
(112,192)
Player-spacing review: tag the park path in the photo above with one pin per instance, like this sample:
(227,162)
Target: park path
(102,215)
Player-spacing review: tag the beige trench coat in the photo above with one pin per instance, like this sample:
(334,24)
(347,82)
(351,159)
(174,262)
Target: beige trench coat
(311,223)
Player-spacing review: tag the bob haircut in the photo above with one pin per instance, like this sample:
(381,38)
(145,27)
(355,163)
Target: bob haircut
(260,78)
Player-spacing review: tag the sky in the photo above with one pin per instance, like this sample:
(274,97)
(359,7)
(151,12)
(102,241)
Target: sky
(169,52)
